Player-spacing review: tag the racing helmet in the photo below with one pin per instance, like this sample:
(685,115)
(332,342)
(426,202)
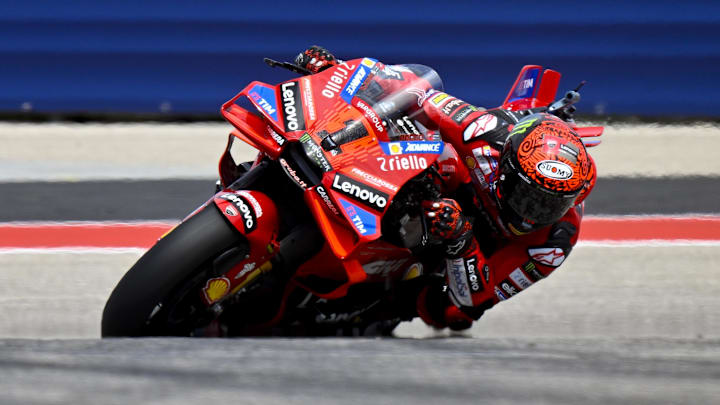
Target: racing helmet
(544,171)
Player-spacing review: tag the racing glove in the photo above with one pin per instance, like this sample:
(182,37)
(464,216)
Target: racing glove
(315,59)
(446,223)
(435,309)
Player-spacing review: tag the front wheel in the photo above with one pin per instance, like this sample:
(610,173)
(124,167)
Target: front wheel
(160,294)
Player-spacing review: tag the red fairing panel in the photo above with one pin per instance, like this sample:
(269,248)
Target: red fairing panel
(250,212)
(254,215)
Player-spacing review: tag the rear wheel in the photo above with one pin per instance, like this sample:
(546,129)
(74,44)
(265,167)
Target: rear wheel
(161,294)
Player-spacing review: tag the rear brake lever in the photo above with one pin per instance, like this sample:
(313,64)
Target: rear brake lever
(287,65)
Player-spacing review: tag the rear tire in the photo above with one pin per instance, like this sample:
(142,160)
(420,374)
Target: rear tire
(173,270)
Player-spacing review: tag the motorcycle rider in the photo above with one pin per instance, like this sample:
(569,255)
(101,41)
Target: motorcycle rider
(512,212)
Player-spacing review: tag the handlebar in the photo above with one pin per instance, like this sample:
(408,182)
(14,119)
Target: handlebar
(353,130)
(287,65)
(564,108)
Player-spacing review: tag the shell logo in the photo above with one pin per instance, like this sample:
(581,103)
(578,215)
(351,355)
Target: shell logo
(395,148)
(216,288)
(470,162)
(415,270)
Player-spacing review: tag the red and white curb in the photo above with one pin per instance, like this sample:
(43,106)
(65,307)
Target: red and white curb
(137,236)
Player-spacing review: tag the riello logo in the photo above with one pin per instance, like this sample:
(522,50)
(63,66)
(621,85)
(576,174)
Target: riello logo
(360,192)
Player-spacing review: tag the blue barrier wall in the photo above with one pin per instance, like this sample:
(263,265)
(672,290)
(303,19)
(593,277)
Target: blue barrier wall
(641,57)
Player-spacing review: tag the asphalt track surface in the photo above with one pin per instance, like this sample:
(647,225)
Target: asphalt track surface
(619,323)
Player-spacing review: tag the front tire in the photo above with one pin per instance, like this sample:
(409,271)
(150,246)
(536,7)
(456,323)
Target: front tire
(172,272)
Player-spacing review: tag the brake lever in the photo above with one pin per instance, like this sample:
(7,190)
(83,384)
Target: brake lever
(564,107)
(287,65)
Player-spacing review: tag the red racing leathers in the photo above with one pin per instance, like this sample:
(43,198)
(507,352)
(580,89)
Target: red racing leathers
(485,262)
(498,263)
(493,264)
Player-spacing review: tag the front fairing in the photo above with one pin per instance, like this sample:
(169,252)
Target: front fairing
(374,105)
(369,109)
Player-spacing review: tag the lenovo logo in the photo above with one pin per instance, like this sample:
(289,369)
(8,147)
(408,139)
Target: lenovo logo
(360,192)
(292,107)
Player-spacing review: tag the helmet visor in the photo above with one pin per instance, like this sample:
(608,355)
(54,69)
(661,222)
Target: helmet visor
(530,206)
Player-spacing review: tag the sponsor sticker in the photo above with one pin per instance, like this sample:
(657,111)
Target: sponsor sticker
(519,278)
(292,173)
(480,126)
(293,115)
(486,165)
(365,222)
(216,288)
(357,79)
(439,98)
(459,288)
(370,115)
(308,99)
(315,152)
(451,106)
(406,125)
(452,249)
(486,273)
(525,85)
(508,288)
(415,270)
(337,79)
(521,127)
(570,150)
(374,179)
(368,62)
(247,267)
(277,137)
(554,169)
(532,272)
(256,205)
(500,294)
(463,113)
(243,206)
(360,192)
(326,198)
(266,99)
(472,274)
(397,163)
(403,147)
(552,257)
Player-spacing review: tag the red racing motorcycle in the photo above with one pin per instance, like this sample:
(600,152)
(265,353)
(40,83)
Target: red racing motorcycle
(322,234)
